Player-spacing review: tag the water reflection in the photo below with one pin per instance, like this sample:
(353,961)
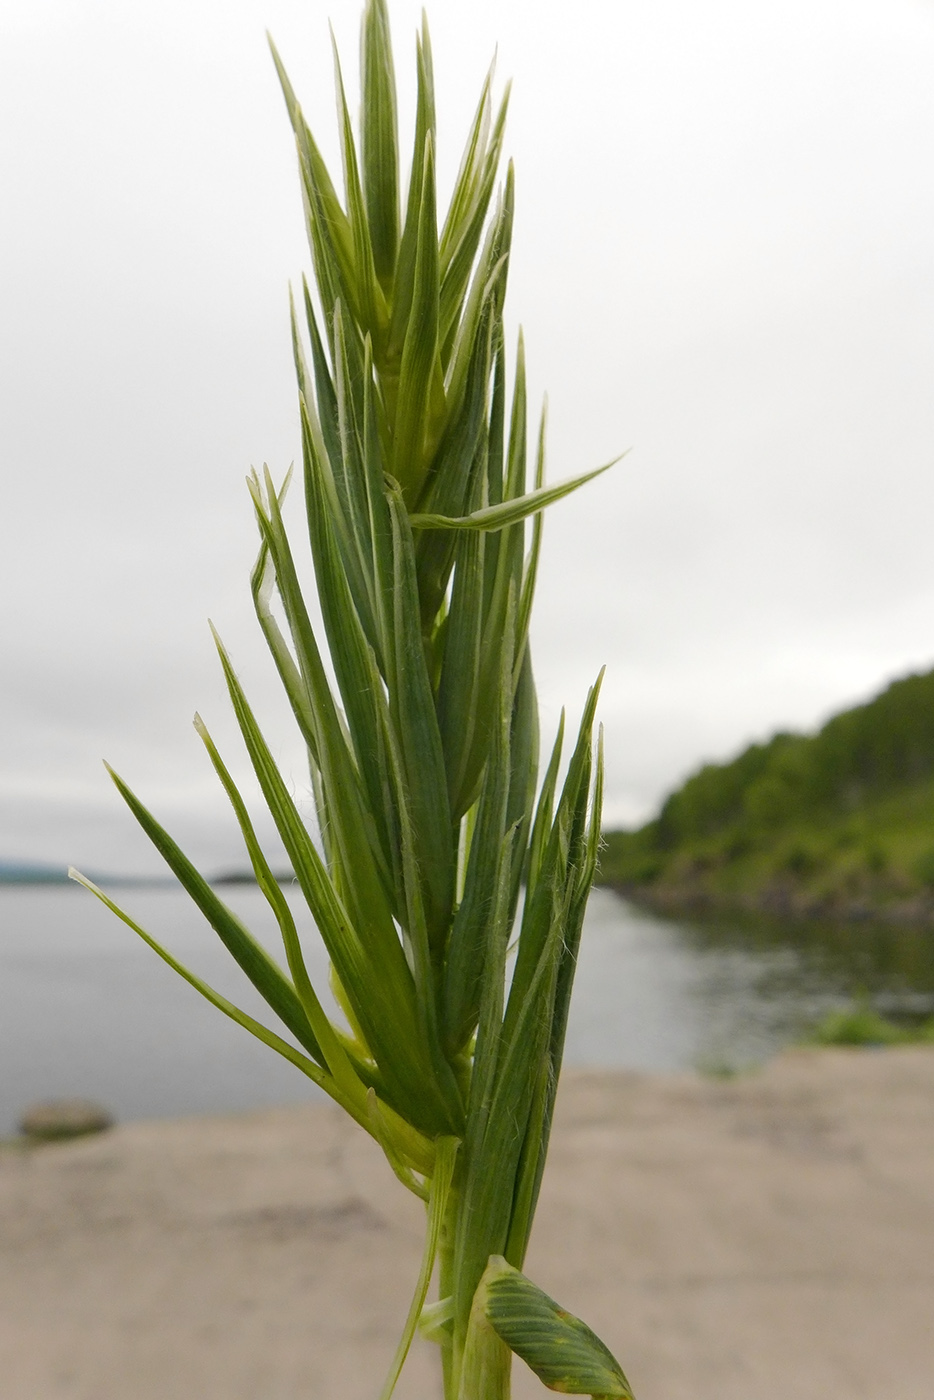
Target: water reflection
(716,994)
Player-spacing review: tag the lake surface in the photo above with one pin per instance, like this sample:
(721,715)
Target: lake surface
(87,1009)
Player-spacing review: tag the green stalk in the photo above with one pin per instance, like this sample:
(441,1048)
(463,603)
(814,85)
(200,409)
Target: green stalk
(423,749)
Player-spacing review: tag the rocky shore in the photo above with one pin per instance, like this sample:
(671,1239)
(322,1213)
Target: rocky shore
(779,899)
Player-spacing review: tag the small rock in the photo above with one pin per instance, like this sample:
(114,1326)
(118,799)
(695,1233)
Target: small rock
(65,1118)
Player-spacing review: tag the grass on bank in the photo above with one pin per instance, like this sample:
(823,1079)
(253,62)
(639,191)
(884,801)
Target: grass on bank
(860,1024)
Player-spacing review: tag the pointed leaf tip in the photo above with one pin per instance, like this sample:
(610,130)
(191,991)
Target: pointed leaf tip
(511,511)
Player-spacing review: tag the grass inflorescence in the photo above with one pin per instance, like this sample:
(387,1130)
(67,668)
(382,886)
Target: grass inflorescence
(417,707)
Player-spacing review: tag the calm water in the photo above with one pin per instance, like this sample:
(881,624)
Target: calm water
(86,1009)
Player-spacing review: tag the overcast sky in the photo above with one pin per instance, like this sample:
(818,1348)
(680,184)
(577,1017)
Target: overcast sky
(724,260)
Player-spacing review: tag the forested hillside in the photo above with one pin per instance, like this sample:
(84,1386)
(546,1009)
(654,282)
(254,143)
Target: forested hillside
(841,821)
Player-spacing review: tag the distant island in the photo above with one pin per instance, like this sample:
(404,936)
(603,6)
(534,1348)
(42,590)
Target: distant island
(25,872)
(838,824)
(20,872)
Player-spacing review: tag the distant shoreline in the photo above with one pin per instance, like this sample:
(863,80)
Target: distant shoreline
(837,825)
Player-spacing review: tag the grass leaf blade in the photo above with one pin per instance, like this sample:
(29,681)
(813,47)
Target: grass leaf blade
(509,512)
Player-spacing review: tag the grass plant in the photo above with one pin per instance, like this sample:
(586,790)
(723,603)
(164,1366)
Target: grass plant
(423,748)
